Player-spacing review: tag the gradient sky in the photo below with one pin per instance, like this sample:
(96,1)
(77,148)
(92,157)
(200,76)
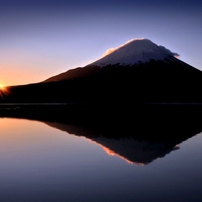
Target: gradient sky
(41,38)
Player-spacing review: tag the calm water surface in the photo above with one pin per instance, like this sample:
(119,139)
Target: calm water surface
(44,161)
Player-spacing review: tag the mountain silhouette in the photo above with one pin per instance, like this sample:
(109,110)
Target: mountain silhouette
(137,72)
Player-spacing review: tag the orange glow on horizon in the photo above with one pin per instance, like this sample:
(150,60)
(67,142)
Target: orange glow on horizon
(2,86)
(3,90)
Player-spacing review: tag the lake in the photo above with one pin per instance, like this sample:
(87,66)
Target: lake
(150,155)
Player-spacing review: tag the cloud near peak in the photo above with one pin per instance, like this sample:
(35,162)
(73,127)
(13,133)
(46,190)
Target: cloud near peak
(111,50)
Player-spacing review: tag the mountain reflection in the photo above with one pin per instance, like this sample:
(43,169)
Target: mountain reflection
(139,136)
(133,151)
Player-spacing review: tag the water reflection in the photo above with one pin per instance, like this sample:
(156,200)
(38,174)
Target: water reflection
(138,136)
(66,161)
(134,151)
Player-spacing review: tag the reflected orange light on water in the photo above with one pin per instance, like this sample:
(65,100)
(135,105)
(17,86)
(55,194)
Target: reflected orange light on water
(21,135)
(113,153)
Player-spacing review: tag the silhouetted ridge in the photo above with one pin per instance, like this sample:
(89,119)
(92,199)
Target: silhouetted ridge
(136,72)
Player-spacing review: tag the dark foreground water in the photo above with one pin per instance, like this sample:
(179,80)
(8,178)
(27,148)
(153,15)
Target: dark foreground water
(150,155)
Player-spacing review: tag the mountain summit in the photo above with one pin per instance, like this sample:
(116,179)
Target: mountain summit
(138,71)
(135,51)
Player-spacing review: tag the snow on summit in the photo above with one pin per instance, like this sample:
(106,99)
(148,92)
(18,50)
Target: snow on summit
(133,52)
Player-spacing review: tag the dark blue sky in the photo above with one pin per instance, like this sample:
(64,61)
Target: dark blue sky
(42,38)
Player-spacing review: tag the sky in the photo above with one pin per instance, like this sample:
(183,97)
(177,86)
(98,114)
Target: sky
(42,38)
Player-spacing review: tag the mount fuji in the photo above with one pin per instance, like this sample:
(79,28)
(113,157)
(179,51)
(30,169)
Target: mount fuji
(138,71)
(133,53)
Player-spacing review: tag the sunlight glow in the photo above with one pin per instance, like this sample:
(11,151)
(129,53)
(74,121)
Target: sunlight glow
(2,86)
(3,91)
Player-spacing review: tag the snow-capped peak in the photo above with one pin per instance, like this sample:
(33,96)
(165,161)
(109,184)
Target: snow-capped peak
(133,52)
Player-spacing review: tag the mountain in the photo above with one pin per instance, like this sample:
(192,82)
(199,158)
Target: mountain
(138,71)
(132,53)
